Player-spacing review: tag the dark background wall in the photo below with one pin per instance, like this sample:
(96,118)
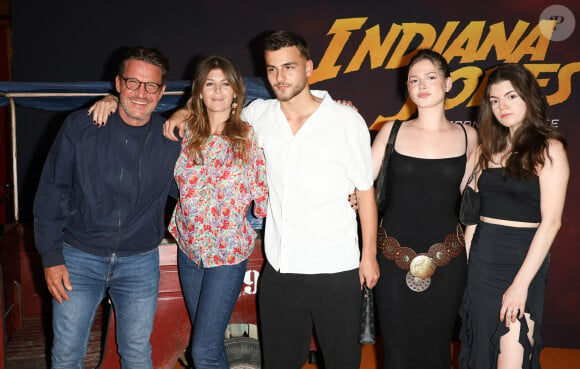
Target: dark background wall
(66,40)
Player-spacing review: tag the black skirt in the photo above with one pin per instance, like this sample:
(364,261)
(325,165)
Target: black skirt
(496,255)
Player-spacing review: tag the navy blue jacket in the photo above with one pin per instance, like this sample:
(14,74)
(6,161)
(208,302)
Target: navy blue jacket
(104,190)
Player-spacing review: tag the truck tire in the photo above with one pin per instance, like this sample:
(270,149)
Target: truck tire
(243,353)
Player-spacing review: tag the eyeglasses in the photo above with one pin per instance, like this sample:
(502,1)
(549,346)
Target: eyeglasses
(134,84)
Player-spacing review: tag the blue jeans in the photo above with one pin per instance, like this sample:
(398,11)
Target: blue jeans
(210,295)
(133,285)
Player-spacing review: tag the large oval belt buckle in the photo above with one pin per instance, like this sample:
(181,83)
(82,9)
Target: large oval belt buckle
(420,271)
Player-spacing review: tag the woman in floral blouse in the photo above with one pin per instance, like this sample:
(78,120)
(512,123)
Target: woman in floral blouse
(219,172)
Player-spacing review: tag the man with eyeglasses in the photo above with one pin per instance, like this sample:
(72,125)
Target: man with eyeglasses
(98,216)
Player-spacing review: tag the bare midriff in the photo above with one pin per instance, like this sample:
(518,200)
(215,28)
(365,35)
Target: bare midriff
(509,223)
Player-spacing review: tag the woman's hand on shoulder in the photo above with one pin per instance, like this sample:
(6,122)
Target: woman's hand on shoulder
(347,103)
(176,120)
(103,108)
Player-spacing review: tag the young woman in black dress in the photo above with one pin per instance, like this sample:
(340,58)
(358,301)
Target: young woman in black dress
(416,313)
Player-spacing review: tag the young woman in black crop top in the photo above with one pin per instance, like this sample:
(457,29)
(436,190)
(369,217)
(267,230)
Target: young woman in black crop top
(417,311)
(522,178)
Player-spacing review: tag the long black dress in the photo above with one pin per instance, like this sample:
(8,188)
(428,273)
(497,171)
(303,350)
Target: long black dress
(417,327)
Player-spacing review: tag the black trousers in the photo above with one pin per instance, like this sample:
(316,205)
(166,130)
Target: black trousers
(290,304)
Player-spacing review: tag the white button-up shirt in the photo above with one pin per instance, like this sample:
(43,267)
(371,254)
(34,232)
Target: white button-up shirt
(310,226)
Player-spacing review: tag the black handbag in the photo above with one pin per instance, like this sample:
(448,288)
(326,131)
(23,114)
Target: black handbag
(380,193)
(366,333)
(469,209)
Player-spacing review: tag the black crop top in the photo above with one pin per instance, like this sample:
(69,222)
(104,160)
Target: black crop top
(509,199)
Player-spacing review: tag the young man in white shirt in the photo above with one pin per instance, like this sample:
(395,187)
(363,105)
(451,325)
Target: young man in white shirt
(317,152)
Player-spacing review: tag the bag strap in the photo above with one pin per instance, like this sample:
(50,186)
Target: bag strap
(380,196)
(471,176)
(391,143)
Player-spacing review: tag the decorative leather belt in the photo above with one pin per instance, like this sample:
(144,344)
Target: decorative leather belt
(421,267)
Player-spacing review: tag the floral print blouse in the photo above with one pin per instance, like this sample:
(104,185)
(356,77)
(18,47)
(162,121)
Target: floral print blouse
(209,222)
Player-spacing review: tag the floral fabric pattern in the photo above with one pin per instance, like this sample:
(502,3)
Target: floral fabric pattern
(209,222)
